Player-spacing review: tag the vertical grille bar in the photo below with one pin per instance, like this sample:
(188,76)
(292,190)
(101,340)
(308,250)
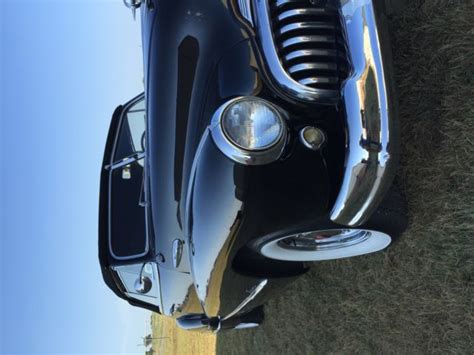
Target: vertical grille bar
(310,43)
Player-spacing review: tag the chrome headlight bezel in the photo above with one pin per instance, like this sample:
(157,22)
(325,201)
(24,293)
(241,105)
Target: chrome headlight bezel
(240,154)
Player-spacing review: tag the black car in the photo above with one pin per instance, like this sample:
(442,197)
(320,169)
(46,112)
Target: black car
(266,138)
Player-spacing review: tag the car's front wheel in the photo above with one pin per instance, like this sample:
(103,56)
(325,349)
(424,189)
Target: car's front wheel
(325,244)
(325,240)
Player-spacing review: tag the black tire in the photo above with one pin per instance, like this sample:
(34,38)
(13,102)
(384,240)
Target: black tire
(251,263)
(391,215)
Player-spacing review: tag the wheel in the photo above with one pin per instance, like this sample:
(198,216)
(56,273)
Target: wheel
(325,240)
(325,244)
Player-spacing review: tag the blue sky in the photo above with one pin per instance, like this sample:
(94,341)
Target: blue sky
(65,66)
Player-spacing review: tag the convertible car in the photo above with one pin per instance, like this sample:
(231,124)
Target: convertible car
(266,139)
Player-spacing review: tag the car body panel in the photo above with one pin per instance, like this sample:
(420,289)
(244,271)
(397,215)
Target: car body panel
(244,202)
(181,98)
(197,56)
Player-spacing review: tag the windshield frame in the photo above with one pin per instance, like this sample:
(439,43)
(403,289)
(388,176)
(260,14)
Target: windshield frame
(134,158)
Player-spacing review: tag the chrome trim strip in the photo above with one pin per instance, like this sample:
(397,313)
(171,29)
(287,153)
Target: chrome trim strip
(313,53)
(242,156)
(280,3)
(289,86)
(308,39)
(246,10)
(306,24)
(301,12)
(177,252)
(189,191)
(255,291)
(313,66)
(371,140)
(320,80)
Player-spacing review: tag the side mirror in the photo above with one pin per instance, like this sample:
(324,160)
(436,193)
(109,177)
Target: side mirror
(143,284)
(132,5)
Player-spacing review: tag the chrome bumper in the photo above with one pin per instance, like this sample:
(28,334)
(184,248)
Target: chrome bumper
(370,122)
(372,143)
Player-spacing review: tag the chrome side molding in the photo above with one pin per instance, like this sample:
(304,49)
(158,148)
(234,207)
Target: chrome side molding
(177,252)
(371,146)
(246,10)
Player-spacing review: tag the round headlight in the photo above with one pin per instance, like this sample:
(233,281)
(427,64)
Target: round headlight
(252,124)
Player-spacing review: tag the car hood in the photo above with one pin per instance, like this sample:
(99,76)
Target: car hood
(186,79)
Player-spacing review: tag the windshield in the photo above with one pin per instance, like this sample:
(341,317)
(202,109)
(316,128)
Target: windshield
(131,137)
(127,206)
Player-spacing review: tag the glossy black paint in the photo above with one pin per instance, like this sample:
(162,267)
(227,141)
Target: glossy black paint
(182,38)
(243,203)
(197,55)
(209,59)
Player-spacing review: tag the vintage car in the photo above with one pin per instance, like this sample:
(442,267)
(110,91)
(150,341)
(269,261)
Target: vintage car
(266,139)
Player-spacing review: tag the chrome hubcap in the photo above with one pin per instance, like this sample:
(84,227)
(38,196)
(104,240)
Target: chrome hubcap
(325,240)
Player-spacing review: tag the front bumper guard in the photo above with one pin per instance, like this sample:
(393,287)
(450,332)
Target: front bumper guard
(372,136)
(368,95)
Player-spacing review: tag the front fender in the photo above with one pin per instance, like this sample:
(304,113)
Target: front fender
(216,218)
(232,204)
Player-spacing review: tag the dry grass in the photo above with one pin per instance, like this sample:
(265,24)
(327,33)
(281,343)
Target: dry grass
(169,339)
(417,297)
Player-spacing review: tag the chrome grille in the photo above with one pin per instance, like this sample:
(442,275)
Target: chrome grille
(310,43)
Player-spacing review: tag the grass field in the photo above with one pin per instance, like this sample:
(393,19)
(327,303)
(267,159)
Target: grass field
(418,296)
(169,339)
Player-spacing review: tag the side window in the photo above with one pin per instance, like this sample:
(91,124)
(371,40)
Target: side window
(127,214)
(131,138)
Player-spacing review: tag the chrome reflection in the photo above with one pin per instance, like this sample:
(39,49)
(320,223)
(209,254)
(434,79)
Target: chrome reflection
(371,141)
(325,240)
(177,252)
(298,87)
(245,10)
(253,293)
(238,154)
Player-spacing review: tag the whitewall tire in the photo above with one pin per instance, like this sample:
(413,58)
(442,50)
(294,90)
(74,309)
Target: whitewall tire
(325,244)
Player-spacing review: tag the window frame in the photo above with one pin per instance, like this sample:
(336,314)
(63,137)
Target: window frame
(134,158)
